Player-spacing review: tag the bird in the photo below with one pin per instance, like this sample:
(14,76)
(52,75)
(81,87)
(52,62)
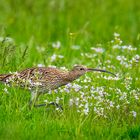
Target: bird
(40,80)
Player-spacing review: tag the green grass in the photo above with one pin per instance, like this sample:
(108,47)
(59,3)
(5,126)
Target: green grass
(34,26)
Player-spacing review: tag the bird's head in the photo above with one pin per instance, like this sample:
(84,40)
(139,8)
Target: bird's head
(80,70)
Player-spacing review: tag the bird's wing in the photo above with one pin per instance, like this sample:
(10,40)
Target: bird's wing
(35,76)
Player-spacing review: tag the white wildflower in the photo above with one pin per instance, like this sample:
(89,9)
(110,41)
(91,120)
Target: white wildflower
(118,106)
(111,78)
(52,66)
(116,46)
(53,57)
(56,44)
(57,100)
(37,83)
(98,50)
(134,113)
(66,90)
(40,49)
(116,34)
(5,90)
(77,101)
(86,111)
(76,87)
(69,85)
(75,47)
(71,102)
(63,68)
(40,65)
(60,56)
(111,104)
(46,101)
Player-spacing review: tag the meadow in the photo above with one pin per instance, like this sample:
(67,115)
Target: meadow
(97,34)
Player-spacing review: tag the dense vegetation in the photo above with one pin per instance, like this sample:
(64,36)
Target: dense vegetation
(97,33)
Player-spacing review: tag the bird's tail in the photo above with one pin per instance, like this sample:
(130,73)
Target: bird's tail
(3,77)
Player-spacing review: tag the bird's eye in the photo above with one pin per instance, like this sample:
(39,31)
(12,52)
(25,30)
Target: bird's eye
(81,68)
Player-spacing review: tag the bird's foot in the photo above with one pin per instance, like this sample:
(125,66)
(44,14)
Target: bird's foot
(56,105)
(41,105)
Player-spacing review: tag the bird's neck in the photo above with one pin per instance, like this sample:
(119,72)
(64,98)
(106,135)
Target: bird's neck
(72,75)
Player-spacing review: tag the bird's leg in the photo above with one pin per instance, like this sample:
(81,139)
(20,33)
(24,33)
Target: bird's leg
(52,103)
(56,105)
(39,105)
(34,97)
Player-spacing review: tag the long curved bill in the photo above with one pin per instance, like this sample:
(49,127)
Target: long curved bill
(93,69)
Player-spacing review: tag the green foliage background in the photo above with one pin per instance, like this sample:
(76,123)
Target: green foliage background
(86,23)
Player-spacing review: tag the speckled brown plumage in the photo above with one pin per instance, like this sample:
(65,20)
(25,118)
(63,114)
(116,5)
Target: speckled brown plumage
(41,79)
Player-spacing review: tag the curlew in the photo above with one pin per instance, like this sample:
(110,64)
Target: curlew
(42,79)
